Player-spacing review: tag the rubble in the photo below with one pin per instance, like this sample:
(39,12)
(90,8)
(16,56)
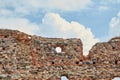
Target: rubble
(27,57)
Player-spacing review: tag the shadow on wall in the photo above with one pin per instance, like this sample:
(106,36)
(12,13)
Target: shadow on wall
(117,78)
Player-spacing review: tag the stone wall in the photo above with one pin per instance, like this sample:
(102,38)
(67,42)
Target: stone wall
(26,57)
(106,58)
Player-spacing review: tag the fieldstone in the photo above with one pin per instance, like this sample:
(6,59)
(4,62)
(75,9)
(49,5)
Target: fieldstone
(26,57)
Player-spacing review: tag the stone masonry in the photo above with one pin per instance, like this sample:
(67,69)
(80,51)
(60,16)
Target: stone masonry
(30,57)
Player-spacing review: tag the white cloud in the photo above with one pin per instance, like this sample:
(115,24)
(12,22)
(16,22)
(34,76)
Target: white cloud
(68,4)
(5,12)
(30,6)
(107,2)
(107,5)
(115,26)
(20,24)
(53,25)
(103,8)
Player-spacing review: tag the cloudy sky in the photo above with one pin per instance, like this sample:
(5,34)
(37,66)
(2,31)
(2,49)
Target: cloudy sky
(90,20)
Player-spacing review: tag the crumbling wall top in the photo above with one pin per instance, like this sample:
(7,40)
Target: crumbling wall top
(24,56)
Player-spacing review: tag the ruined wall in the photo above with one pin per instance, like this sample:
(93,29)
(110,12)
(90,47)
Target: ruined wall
(29,57)
(106,58)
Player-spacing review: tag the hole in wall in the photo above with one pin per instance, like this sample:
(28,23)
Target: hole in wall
(113,48)
(53,62)
(58,49)
(116,78)
(116,61)
(64,78)
(81,60)
(5,36)
(77,62)
(93,62)
(29,37)
(3,47)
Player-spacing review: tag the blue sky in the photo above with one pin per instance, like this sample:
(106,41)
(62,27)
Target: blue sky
(90,20)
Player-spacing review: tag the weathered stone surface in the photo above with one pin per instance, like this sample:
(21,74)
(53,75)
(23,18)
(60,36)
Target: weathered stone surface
(26,57)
